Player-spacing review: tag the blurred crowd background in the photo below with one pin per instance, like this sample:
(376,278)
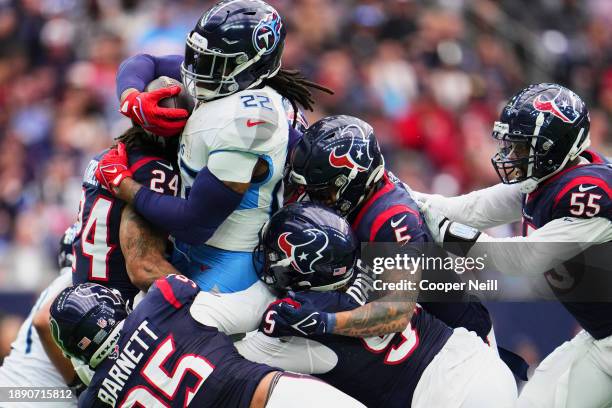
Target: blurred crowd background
(431,76)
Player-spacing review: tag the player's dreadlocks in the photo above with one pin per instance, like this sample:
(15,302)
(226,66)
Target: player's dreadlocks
(136,138)
(296,88)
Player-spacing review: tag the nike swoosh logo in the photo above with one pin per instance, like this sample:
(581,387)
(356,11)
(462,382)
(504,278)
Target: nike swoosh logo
(313,322)
(135,110)
(254,123)
(167,166)
(398,222)
(582,188)
(113,171)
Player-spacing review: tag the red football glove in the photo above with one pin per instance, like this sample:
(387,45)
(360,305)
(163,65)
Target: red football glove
(143,108)
(113,168)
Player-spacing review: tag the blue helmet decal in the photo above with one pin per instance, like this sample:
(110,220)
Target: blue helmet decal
(267,34)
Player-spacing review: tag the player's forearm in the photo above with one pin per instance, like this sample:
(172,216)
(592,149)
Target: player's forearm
(192,220)
(486,208)
(56,356)
(374,319)
(544,249)
(143,249)
(137,71)
(127,190)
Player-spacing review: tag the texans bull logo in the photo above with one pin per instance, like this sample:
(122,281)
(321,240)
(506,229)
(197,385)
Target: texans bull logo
(304,255)
(559,106)
(358,154)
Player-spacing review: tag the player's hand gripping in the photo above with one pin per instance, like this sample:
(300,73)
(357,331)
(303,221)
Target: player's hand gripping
(143,108)
(294,316)
(113,168)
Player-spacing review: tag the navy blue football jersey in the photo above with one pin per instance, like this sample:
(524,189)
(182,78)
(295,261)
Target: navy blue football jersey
(381,371)
(391,215)
(97,254)
(165,358)
(582,191)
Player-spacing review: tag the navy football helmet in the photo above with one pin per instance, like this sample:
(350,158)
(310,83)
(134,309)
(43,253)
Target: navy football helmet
(305,246)
(234,46)
(542,129)
(86,320)
(337,162)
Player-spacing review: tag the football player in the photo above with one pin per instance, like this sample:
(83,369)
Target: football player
(114,246)
(28,364)
(562,193)
(160,356)
(311,249)
(338,163)
(232,151)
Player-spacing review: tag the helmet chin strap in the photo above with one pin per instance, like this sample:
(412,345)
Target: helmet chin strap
(531,184)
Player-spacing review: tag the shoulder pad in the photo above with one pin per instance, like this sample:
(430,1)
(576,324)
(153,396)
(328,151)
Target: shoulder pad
(177,290)
(398,224)
(247,121)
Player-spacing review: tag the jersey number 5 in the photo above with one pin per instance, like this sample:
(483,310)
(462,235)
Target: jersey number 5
(397,352)
(168,383)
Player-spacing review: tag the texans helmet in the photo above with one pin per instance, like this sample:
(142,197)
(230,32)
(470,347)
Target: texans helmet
(234,46)
(86,320)
(542,129)
(337,162)
(305,246)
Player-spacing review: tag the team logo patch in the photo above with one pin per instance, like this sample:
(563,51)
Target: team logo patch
(267,33)
(304,255)
(561,106)
(357,156)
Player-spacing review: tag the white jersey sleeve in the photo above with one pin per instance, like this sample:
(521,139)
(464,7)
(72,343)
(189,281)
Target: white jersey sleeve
(486,208)
(556,242)
(297,354)
(28,365)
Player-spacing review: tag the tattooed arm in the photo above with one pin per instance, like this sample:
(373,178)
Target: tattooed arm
(374,319)
(143,249)
(389,312)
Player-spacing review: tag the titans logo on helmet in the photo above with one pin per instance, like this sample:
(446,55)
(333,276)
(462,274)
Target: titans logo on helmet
(559,106)
(267,33)
(358,154)
(304,255)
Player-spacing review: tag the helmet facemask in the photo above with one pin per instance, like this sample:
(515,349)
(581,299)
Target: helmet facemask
(340,193)
(210,74)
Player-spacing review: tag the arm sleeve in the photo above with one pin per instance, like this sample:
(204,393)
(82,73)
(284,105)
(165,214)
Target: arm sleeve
(139,70)
(556,242)
(289,353)
(192,220)
(486,208)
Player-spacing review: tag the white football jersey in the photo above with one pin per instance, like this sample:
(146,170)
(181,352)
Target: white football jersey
(28,365)
(240,129)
